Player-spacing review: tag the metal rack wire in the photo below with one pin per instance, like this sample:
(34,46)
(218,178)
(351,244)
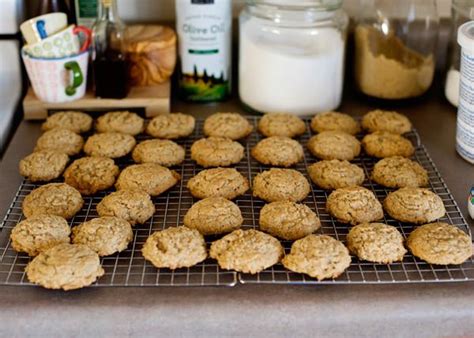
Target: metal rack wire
(129,268)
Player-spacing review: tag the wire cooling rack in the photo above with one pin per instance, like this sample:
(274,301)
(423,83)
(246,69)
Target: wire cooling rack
(129,268)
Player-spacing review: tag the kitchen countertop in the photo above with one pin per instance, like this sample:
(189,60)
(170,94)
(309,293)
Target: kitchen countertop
(364,310)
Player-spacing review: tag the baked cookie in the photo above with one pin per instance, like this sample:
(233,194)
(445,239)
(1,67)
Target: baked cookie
(279,124)
(414,205)
(376,242)
(288,220)
(335,121)
(336,174)
(218,182)
(247,251)
(230,125)
(65,266)
(279,151)
(281,185)
(440,243)
(163,152)
(171,126)
(213,216)
(111,145)
(105,235)
(74,121)
(123,122)
(383,120)
(91,174)
(53,199)
(318,256)
(150,177)
(216,152)
(399,172)
(383,144)
(175,247)
(134,206)
(61,140)
(334,145)
(354,205)
(44,165)
(39,233)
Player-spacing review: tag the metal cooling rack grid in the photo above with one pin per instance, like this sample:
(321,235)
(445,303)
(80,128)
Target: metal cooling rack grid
(130,269)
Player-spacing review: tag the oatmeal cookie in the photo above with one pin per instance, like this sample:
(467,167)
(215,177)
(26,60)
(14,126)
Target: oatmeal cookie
(383,144)
(214,216)
(111,145)
(354,205)
(414,205)
(134,206)
(123,122)
(218,182)
(247,251)
(74,121)
(382,120)
(65,266)
(336,174)
(163,152)
(281,185)
(175,247)
(216,152)
(171,126)
(318,256)
(279,151)
(39,233)
(53,199)
(44,165)
(279,124)
(335,121)
(399,172)
(288,220)
(230,125)
(61,140)
(334,145)
(91,174)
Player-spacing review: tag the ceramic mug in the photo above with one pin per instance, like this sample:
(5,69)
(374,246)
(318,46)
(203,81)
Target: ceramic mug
(40,27)
(70,41)
(58,80)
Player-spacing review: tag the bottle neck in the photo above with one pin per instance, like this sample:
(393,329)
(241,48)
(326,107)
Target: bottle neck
(108,10)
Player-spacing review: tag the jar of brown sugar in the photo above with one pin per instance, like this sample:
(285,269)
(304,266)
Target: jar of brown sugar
(395,43)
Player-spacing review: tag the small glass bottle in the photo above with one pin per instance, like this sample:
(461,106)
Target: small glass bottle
(110,64)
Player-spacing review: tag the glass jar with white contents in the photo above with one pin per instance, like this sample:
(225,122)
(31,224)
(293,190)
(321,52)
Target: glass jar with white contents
(291,56)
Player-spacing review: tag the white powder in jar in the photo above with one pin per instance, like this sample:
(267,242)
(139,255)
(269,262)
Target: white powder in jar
(293,70)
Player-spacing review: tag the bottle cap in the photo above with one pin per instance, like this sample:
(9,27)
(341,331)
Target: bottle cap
(466,36)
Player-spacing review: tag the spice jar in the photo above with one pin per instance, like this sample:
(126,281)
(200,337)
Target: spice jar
(291,56)
(395,43)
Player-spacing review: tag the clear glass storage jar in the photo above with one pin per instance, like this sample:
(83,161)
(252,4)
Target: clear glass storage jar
(395,44)
(291,56)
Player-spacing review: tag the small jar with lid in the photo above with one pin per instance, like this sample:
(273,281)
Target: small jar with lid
(291,56)
(395,45)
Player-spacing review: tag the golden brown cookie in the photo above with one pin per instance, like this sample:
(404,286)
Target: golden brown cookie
(354,205)
(123,122)
(414,205)
(91,174)
(61,140)
(163,152)
(44,165)
(218,182)
(281,185)
(440,243)
(399,172)
(335,121)
(318,256)
(336,174)
(230,125)
(376,242)
(111,145)
(288,220)
(279,124)
(74,121)
(65,266)
(150,177)
(247,251)
(214,216)
(334,145)
(383,120)
(279,151)
(175,247)
(216,152)
(53,199)
(383,144)
(171,126)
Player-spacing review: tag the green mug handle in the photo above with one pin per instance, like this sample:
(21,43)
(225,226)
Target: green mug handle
(77,77)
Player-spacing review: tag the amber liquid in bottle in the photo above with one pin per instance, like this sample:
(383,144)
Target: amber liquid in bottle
(111,76)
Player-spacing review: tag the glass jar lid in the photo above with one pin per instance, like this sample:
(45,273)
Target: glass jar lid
(299,4)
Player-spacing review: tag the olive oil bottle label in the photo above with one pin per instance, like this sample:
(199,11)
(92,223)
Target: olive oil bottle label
(204,29)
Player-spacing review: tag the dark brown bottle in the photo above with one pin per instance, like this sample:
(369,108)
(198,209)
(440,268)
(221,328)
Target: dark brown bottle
(51,6)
